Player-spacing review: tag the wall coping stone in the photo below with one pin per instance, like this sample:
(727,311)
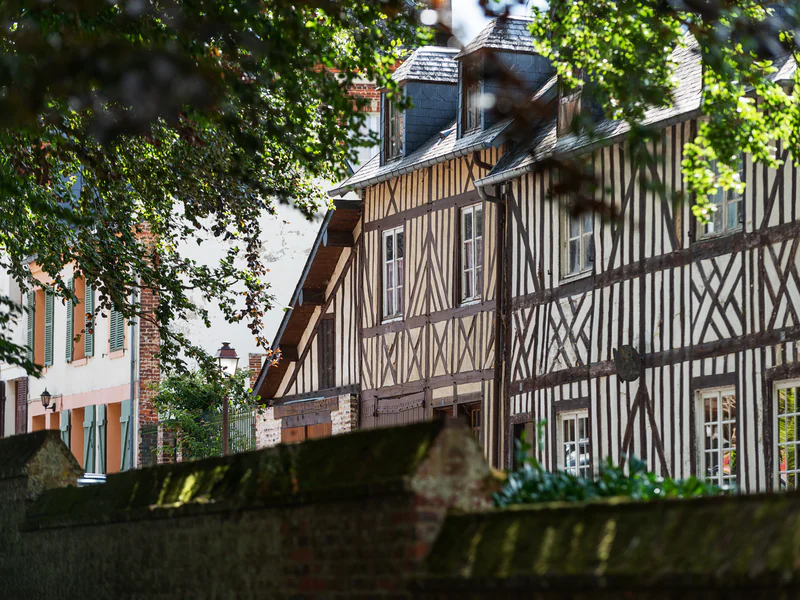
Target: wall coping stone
(41,457)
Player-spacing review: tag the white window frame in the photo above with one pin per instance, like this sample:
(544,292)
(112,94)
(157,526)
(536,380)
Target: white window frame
(703,434)
(779,474)
(573,416)
(584,238)
(396,268)
(723,200)
(471,259)
(393,147)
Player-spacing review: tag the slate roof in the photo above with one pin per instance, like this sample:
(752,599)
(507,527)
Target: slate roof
(509,34)
(686,101)
(439,148)
(429,63)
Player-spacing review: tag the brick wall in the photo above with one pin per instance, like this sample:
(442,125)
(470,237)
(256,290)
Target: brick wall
(346,418)
(268,429)
(254,362)
(346,516)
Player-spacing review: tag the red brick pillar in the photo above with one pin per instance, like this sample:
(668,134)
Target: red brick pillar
(254,362)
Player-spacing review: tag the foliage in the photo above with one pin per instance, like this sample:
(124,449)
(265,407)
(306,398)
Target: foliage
(190,405)
(131,128)
(621,50)
(530,483)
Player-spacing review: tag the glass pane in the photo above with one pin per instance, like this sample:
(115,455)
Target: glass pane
(468,291)
(467,226)
(399,300)
(478,281)
(588,251)
(712,465)
(588,222)
(400,249)
(718,215)
(468,255)
(733,215)
(389,276)
(389,248)
(479,222)
(400,272)
(574,226)
(389,303)
(574,255)
(711,409)
(729,408)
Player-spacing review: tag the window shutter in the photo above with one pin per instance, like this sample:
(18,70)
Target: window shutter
(88,439)
(116,331)
(70,323)
(88,335)
(49,309)
(101,438)
(65,427)
(384,137)
(125,439)
(31,324)
(22,405)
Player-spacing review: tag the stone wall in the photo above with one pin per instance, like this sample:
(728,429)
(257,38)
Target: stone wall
(386,513)
(346,516)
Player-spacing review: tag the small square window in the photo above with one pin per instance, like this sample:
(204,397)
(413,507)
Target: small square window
(574,444)
(717,434)
(471,253)
(393,273)
(578,242)
(727,204)
(787,441)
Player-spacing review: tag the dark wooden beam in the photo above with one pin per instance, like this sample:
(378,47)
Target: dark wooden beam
(289,352)
(311,297)
(338,239)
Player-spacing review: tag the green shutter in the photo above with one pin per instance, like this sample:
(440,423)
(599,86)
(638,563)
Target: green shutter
(65,427)
(70,321)
(88,439)
(88,336)
(117,331)
(31,324)
(126,425)
(101,438)
(49,310)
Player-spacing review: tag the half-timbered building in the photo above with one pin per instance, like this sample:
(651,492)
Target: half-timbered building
(471,288)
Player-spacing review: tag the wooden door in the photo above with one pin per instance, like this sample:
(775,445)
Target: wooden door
(22,405)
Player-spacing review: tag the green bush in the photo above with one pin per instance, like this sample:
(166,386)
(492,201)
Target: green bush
(530,482)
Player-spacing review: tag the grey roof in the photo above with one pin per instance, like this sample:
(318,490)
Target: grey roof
(686,100)
(510,33)
(439,148)
(429,63)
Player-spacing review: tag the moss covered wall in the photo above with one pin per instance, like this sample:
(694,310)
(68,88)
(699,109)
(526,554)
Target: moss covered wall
(351,515)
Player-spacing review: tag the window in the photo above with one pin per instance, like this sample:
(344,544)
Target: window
(727,208)
(471,253)
(573,452)
(471,114)
(473,413)
(393,137)
(718,436)
(569,106)
(393,276)
(327,353)
(579,242)
(787,413)
(116,331)
(41,312)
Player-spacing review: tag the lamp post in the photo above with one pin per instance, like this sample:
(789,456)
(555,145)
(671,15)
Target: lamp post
(228,360)
(45,398)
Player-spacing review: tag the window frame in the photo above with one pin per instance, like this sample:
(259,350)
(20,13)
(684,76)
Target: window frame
(476,269)
(570,105)
(397,307)
(470,95)
(393,145)
(583,269)
(573,415)
(727,198)
(702,468)
(777,387)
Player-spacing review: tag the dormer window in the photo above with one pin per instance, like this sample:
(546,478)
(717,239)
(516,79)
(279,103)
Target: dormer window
(569,107)
(471,115)
(393,135)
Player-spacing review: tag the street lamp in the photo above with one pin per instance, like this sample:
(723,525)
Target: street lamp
(45,398)
(228,360)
